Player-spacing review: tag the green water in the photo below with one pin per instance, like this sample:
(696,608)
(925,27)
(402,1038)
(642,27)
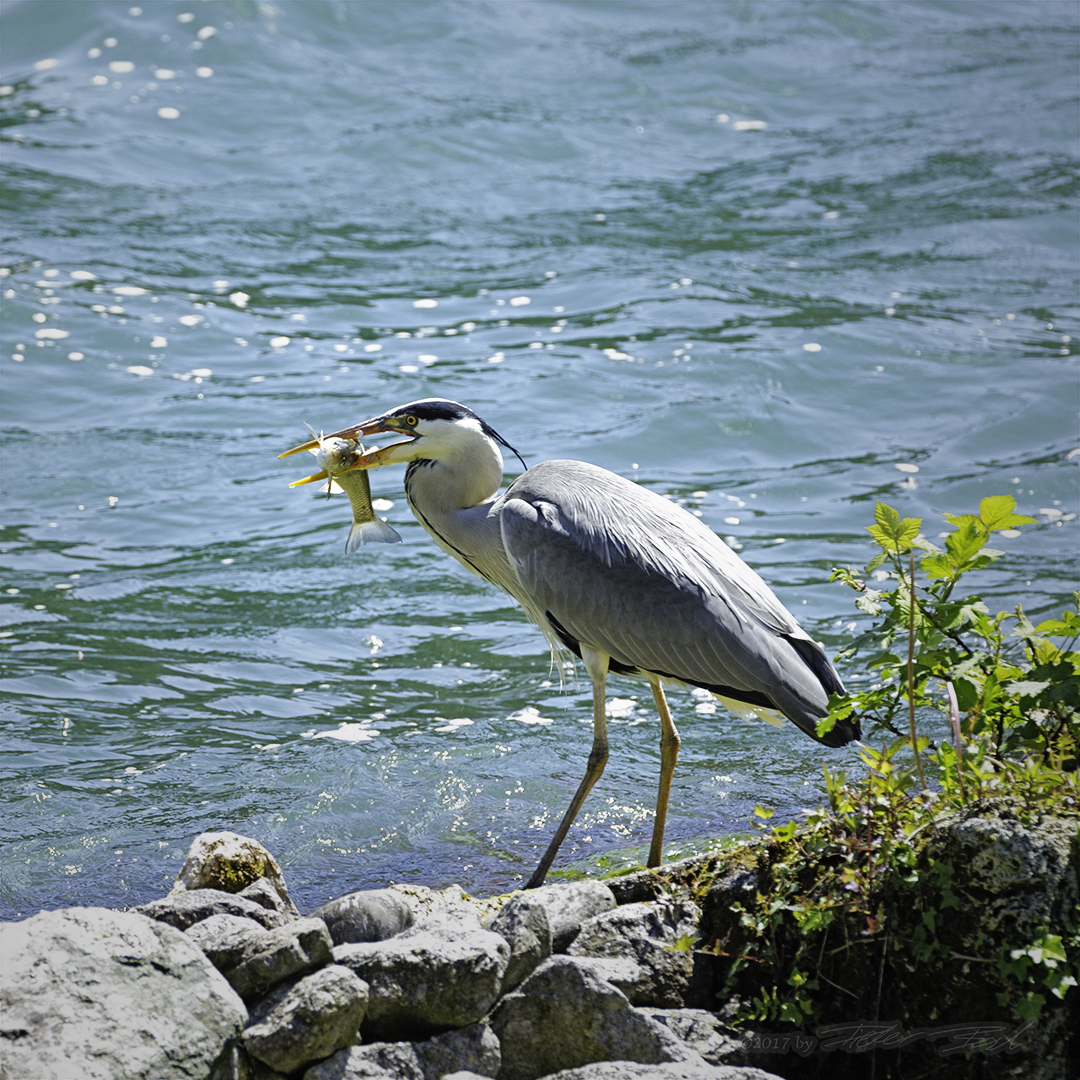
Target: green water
(771,251)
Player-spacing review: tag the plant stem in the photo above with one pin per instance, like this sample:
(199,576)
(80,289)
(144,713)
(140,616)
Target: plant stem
(954,718)
(911,667)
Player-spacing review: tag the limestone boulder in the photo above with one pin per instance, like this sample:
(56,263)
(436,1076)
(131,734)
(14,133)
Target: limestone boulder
(306,1020)
(701,1031)
(371,915)
(372,1061)
(656,938)
(565,1016)
(264,893)
(473,1050)
(227,940)
(445,972)
(425,902)
(569,905)
(256,960)
(231,863)
(1023,875)
(107,995)
(523,923)
(187,908)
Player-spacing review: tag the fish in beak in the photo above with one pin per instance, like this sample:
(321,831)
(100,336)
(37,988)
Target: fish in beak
(370,459)
(344,463)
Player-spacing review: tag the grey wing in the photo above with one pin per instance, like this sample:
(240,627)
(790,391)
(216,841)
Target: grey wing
(610,564)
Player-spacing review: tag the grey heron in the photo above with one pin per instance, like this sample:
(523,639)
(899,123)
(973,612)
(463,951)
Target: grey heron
(625,579)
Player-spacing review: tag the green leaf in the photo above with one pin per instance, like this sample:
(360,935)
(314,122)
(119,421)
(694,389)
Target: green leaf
(960,520)
(869,602)
(938,566)
(967,694)
(890,533)
(1027,689)
(1066,626)
(964,544)
(996,512)
(876,561)
(1030,1005)
(791,1013)
(964,612)
(1049,950)
(881,659)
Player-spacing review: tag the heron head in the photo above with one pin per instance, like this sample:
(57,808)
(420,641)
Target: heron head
(434,428)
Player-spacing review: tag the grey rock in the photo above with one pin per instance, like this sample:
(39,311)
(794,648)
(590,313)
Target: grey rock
(226,939)
(226,861)
(255,962)
(699,1029)
(475,1048)
(564,1016)
(267,896)
(569,905)
(426,902)
(465,1074)
(525,926)
(627,1070)
(307,1020)
(107,995)
(187,908)
(647,934)
(374,1061)
(443,973)
(472,1050)
(1014,873)
(373,915)
(1020,875)
(621,971)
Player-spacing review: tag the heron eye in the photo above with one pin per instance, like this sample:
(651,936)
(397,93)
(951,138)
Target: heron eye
(411,421)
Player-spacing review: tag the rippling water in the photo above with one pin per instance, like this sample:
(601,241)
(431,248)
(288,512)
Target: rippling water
(754,255)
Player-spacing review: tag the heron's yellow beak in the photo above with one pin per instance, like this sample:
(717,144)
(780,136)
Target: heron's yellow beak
(368,428)
(370,459)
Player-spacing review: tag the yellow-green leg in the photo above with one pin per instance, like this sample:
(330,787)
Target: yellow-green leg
(596,663)
(669,753)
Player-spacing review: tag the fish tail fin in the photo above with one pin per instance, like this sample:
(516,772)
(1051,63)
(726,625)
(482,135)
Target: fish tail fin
(371,532)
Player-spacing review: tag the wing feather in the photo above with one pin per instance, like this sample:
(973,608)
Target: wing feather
(636,576)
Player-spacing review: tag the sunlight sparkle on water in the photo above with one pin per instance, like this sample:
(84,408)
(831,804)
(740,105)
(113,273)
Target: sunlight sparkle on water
(529,715)
(346,732)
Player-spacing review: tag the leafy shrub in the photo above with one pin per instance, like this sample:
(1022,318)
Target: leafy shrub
(845,878)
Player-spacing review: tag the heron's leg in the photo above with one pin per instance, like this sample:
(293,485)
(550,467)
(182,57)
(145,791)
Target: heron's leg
(596,663)
(669,752)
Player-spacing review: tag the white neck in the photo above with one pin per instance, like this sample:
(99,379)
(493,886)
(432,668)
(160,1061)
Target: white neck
(453,497)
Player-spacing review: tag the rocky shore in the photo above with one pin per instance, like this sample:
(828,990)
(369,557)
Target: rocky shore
(224,979)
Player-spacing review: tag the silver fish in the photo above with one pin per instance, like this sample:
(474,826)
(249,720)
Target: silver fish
(335,457)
